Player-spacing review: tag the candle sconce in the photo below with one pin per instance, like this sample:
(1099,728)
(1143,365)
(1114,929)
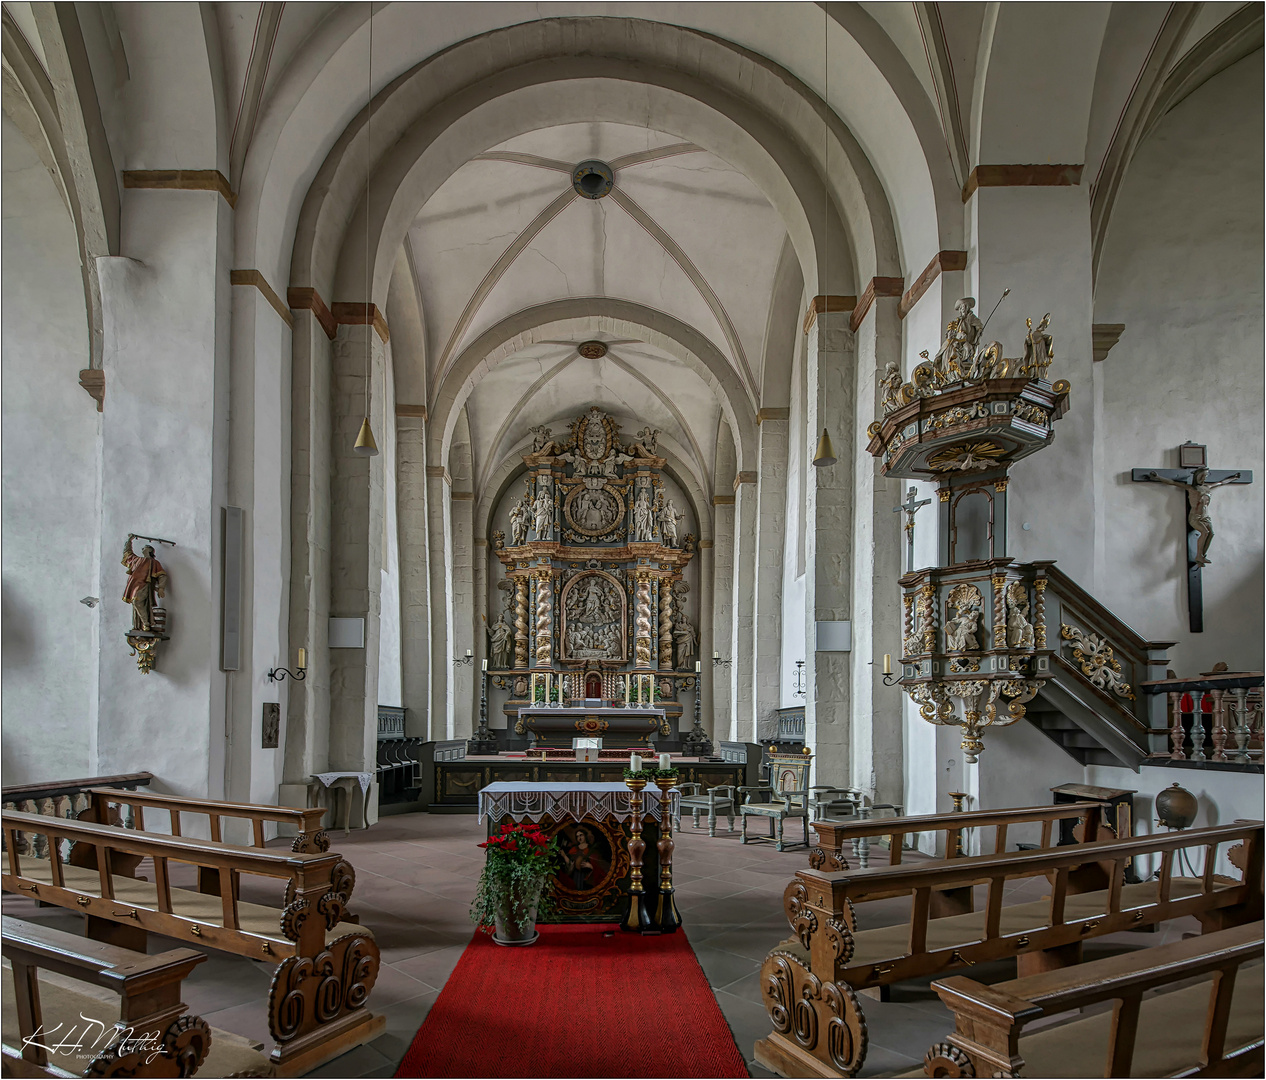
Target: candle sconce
(718,662)
(890,679)
(298,675)
(469,658)
(797,680)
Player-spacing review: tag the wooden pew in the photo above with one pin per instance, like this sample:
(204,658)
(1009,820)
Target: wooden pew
(109,806)
(311,837)
(810,981)
(834,837)
(1157,1035)
(155,1035)
(311,1019)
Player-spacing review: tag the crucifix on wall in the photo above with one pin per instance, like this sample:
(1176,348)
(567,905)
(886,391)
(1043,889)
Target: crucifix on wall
(1198,482)
(910,507)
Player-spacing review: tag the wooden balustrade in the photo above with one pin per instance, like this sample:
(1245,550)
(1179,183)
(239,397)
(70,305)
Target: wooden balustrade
(1214,719)
(64,799)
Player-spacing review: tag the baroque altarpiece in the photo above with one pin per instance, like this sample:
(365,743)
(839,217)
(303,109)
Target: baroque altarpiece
(589,630)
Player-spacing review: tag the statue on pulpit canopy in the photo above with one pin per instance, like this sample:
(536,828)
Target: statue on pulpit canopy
(146,583)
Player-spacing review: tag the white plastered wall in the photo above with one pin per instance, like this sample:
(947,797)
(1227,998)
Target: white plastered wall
(51,461)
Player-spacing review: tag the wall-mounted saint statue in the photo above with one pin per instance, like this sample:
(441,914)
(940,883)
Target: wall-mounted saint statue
(146,583)
(544,511)
(687,641)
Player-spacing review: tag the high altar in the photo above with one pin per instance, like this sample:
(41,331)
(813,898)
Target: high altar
(594,638)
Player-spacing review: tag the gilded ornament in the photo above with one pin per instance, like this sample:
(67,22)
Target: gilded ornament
(1097,661)
(967,457)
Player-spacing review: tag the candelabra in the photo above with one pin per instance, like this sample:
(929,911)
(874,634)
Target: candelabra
(638,917)
(667,917)
(696,743)
(484,742)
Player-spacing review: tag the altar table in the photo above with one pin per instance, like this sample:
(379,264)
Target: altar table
(592,823)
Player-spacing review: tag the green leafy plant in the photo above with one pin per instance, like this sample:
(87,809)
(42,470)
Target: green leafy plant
(650,774)
(521,860)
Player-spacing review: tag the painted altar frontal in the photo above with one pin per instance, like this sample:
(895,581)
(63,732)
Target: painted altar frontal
(593,823)
(591,634)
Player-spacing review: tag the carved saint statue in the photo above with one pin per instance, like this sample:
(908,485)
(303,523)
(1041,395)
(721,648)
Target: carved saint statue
(502,642)
(643,516)
(1038,348)
(544,511)
(1019,629)
(668,518)
(687,641)
(540,438)
(960,631)
(519,514)
(962,335)
(646,441)
(146,582)
(1199,493)
(890,387)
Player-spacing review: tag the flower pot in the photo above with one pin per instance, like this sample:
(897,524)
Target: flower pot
(508,932)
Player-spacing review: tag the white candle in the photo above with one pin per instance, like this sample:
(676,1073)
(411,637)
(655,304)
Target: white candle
(484,664)
(698,666)
(716,656)
(626,688)
(665,761)
(635,762)
(303,659)
(469,653)
(887,663)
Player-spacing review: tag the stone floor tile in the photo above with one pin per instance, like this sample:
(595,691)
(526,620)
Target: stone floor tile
(433,968)
(883,1062)
(248,1019)
(722,968)
(363,1061)
(747,1021)
(754,942)
(903,1028)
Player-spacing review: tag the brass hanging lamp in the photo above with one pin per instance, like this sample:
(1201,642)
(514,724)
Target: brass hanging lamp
(826,452)
(365,444)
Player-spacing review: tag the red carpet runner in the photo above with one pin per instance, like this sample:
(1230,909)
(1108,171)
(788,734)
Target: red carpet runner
(576,1004)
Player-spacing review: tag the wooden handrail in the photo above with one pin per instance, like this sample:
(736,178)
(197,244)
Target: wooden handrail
(1123,635)
(267,862)
(22,792)
(212,806)
(965,819)
(884,881)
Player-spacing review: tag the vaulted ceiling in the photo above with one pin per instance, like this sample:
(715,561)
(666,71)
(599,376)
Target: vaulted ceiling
(682,232)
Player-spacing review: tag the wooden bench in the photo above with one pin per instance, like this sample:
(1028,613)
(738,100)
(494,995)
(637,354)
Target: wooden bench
(835,836)
(810,980)
(154,1035)
(1211,1028)
(326,966)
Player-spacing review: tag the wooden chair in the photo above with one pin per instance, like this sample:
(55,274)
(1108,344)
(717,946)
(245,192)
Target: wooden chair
(720,799)
(835,802)
(1145,1034)
(788,797)
(811,980)
(312,1020)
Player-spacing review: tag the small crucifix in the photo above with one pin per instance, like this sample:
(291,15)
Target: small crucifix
(911,508)
(1198,481)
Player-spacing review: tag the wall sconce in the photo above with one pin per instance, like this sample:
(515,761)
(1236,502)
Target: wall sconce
(469,658)
(889,678)
(797,680)
(718,662)
(278,674)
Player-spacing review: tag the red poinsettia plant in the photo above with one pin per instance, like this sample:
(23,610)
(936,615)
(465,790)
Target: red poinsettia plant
(521,860)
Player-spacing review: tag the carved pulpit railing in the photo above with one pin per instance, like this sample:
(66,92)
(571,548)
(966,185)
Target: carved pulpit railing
(1215,719)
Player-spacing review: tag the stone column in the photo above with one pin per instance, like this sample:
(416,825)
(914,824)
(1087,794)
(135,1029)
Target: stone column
(828,543)
(718,721)
(642,622)
(771,513)
(520,622)
(665,624)
(439,543)
(415,573)
(743,726)
(478,628)
(356,524)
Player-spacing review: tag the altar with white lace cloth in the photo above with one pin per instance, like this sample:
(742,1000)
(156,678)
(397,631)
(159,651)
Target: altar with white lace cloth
(592,823)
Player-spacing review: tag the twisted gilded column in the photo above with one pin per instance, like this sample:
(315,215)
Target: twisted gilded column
(642,622)
(520,623)
(544,619)
(665,624)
